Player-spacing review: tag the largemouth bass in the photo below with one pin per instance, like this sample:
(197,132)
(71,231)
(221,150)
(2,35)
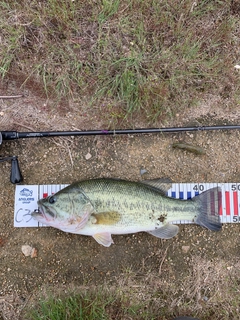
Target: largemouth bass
(102,207)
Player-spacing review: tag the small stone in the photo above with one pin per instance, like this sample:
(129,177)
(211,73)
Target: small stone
(185,249)
(142,171)
(88,156)
(29,251)
(26,250)
(34,253)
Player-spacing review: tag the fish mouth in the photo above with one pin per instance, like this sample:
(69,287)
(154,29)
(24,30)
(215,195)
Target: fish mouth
(42,213)
(38,213)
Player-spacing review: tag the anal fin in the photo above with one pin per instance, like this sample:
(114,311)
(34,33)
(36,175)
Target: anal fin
(166,232)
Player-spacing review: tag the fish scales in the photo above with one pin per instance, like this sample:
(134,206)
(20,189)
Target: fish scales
(101,207)
(129,202)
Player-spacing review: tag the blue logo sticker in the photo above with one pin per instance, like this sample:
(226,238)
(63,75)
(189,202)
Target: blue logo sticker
(26,195)
(26,192)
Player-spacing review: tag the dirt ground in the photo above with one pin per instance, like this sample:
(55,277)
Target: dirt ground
(73,260)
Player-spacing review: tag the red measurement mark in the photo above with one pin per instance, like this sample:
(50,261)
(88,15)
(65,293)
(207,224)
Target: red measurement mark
(235,202)
(45,194)
(227,199)
(220,203)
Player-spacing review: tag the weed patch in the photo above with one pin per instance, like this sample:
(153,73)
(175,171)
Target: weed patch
(209,290)
(155,56)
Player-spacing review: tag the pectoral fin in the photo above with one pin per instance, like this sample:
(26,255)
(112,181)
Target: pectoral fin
(166,232)
(103,238)
(88,210)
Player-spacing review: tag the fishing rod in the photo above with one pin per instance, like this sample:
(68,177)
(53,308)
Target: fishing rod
(16,175)
(12,135)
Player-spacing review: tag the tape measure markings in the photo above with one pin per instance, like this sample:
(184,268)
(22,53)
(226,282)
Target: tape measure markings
(229,210)
(26,197)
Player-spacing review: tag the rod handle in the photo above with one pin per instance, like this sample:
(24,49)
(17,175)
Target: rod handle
(16,175)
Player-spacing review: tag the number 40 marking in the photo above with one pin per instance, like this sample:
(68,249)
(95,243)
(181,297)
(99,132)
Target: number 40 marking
(199,187)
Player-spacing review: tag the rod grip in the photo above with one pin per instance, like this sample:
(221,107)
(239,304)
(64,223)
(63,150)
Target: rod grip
(16,175)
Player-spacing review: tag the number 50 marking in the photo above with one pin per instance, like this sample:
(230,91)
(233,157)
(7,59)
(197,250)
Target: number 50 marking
(235,187)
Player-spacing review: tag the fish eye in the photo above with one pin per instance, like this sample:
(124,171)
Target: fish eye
(52,199)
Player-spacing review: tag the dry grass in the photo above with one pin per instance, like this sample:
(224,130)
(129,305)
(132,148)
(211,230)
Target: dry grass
(157,56)
(209,291)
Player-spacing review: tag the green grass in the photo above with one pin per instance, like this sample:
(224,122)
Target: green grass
(82,306)
(154,56)
(73,307)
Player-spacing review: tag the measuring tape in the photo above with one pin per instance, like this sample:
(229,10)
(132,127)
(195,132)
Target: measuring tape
(229,212)
(26,197)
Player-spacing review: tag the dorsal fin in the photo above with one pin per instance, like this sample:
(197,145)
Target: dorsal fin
(162,184)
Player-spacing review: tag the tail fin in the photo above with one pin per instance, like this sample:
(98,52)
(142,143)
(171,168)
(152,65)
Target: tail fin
(210,204)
